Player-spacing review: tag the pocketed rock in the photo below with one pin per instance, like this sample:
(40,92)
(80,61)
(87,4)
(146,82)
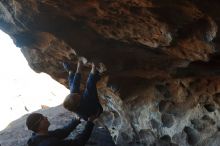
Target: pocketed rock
(211,141)
(170,107)
(155,124)
(165,141)
(192,135)
(198,125)
(162,143)
(166,138)
(146,136)
(167,120)
(208,119)
(180,138)
(210,107)
(165,105)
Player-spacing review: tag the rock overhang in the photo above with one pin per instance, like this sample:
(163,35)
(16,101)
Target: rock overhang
(157,53)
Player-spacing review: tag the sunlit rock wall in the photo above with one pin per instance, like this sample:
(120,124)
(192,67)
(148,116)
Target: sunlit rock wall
(162,84)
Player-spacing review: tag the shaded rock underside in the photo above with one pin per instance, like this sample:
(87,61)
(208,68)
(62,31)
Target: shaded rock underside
(162,83)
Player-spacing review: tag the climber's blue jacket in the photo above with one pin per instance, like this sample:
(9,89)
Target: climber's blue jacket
(57,137)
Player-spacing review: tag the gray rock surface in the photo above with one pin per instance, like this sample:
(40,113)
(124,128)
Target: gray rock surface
(17,133)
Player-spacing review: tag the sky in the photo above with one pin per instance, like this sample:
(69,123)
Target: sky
(21,89)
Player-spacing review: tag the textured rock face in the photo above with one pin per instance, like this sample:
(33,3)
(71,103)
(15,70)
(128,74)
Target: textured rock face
(162,84)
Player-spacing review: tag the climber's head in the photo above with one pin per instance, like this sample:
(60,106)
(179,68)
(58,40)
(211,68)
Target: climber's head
(37,122)
(72,101)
